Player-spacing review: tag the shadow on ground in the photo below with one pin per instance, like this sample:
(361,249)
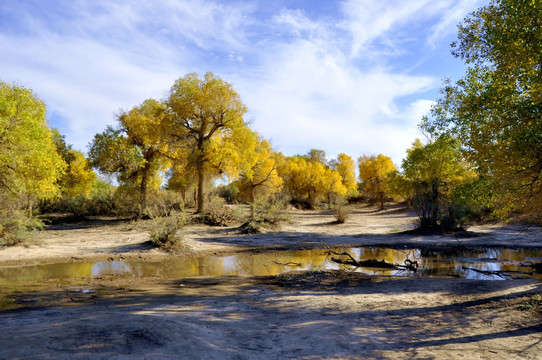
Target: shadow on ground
(304,315)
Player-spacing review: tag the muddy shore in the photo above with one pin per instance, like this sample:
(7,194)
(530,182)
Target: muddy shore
(299,315)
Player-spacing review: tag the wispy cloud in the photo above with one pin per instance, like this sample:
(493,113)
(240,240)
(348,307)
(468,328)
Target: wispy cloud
(333,81)
(382,27)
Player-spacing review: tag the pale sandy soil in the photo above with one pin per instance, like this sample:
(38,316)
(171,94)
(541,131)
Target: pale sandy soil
(101,240)
(305,315)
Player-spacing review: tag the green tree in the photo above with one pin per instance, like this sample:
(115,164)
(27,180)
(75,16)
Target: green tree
(137,150)
(206,117)
(29,162)
(374,175)
(495,110)
(435,170)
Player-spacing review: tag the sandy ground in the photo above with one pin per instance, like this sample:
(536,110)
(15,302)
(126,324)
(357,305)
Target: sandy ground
(305,315)
(108,238)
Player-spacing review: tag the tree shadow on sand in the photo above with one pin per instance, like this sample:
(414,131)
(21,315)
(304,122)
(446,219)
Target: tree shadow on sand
(276,317)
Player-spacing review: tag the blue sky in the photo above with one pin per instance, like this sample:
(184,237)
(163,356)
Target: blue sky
(352,76)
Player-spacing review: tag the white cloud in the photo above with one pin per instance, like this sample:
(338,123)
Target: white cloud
(378,27)
(108,55)
(313,97)
(83,82)
(300,75)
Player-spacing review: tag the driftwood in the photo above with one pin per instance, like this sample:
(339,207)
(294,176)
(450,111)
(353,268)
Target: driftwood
(380,264)
(485,272)
(536,266)
(288,263)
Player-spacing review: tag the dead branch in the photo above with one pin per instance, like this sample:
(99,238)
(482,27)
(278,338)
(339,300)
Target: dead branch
(381,264)
(288,263)
(485,272)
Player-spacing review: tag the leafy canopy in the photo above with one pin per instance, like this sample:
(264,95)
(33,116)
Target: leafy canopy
(29,161)
(206,121)
(495,110)
(136,150)
(374,174)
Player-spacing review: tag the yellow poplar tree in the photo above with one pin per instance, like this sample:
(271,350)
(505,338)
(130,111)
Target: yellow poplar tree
(346,168)
(79,177)
(136,150)
(311,179)
(29,161)
(261,178)
(333,183)
(206,117)
(374,175)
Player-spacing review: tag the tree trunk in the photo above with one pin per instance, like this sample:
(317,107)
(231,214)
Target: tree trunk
(183,194)
(145,182)
(252,203)
(434,200)
(201,183)
(143,190)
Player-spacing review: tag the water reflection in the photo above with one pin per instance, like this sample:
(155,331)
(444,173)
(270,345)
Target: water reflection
(465,263)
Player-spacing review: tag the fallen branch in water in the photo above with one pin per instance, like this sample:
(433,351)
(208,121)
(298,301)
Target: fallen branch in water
(536,266)
(288,263)
(485,272)
(380,264)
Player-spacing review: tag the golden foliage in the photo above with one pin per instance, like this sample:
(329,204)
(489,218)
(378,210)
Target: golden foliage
(29,162)
(311,180)
(374,174)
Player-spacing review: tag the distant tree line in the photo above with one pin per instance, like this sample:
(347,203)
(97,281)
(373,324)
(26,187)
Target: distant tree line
(482,155)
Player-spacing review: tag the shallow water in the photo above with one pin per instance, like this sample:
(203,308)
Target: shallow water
(510,263)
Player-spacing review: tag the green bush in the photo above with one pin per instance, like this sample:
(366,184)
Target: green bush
(270,214)
(164,230)
(17,228)
(230,192)
(301,204)
(163,203)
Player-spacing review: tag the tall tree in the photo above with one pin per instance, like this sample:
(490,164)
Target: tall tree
(29,161)
(495,110)
(434,170)
(346,168)
(136,150)
(374,175)
(317,155)
(310,180)
(261,178)
(207,118)
(79,177)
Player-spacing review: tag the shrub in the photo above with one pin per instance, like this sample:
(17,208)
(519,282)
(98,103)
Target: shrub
(266,215)
(271,213)
(16,228)
(342,212)
(102,199)
(301,204)
(229,192)
(218,213)
(164,203)
(164,230)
